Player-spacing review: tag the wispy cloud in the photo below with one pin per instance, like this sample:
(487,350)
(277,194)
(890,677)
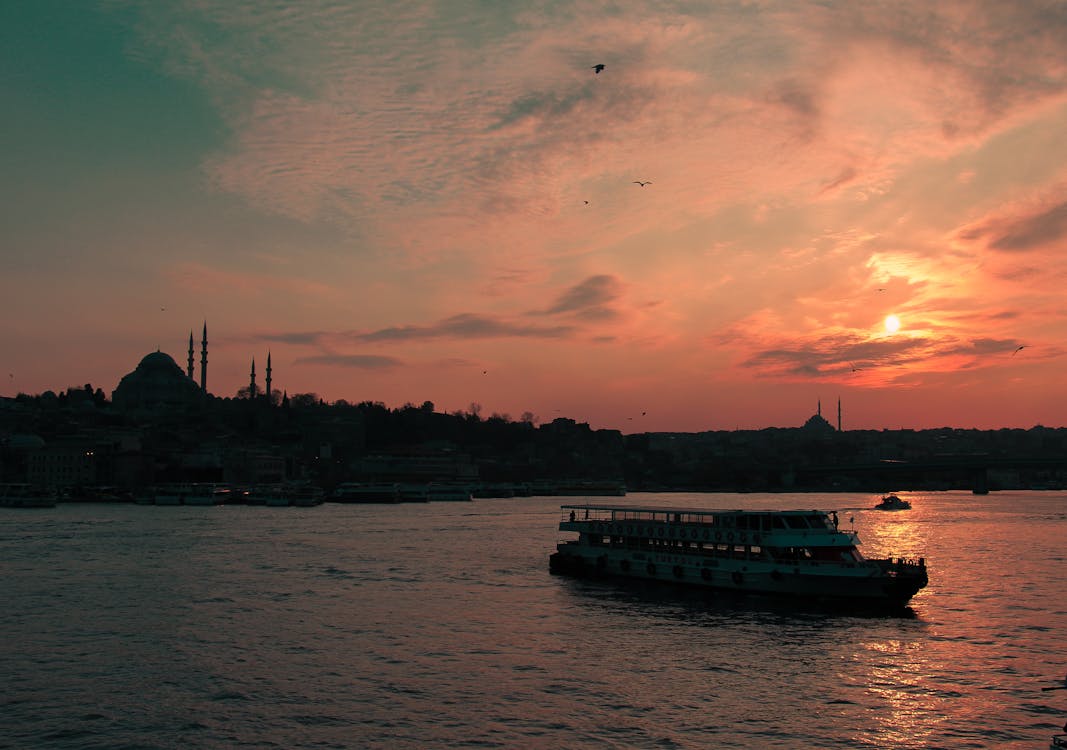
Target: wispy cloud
(387,184)
(1043,229)
(468,326)
(355,361)
(589,298)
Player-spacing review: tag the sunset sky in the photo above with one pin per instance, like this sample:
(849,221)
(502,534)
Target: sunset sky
(411,201)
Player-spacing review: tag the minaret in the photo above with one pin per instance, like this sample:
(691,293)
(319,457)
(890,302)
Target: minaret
(203,361)
(189,371)
(818,407)
(268,375)
(839,414)
(252,380)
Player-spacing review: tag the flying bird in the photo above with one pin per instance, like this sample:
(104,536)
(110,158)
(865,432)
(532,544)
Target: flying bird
(598,67)
(642,184)
(1018,350)
(854,368)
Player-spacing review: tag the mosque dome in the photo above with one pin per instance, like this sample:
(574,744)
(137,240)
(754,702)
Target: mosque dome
(159,362)
(818,423)
(157,383)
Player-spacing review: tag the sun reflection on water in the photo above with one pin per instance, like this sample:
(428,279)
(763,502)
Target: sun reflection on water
(896,682)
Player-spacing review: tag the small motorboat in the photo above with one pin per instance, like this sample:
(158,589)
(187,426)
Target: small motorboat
(892,502)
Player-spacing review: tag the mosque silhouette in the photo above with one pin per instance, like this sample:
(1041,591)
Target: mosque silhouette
(159,383)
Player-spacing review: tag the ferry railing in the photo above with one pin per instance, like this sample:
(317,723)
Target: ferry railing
(751,521)
(897,565)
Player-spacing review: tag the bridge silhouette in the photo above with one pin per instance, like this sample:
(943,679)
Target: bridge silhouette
(958,471)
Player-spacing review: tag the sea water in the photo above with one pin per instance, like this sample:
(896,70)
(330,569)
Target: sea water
(438,626)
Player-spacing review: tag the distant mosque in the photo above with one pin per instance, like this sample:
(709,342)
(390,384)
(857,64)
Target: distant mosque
(818,423)
(158,383)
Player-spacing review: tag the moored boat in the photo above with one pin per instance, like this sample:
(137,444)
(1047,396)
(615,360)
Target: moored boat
(305,495)
(441,492)
(363,492)
(412,492)
(799,553)
(300,494)
(22,495)
(192,493)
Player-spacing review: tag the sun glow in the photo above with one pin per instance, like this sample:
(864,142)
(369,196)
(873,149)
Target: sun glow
(892,324)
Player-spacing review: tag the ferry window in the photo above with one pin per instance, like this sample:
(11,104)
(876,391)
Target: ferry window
(795,522)
(756,551)
(778,522)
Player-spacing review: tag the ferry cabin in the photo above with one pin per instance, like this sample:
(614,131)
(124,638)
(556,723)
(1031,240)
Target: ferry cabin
(800,552)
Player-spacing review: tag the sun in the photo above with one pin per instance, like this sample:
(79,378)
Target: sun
(892,324)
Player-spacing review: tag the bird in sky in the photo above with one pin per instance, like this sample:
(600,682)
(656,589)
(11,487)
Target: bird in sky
(642,184)
(586,202)
(598,67)
(854,368)
(881,289)
(1019,349)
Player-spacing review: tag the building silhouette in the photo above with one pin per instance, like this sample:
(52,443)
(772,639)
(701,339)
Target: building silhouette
(156,384)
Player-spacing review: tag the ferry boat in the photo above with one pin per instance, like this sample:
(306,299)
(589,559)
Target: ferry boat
(798,553)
